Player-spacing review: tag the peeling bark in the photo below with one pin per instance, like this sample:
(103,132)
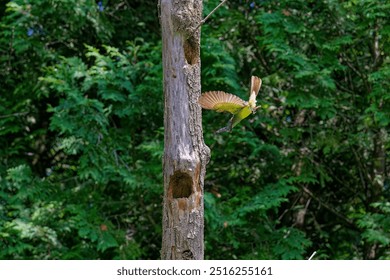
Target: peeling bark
(185,154)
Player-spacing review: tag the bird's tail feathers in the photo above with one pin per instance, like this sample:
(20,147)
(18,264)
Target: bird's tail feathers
(255,86)
(227,128)
(224,129)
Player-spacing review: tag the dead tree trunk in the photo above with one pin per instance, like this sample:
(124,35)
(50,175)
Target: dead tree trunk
(185,154)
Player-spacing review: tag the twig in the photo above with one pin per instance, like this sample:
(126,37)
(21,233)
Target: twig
(360,169)
(352,67)
(292,206)
(312,255)
(329,208)
(204,20)
(13,115)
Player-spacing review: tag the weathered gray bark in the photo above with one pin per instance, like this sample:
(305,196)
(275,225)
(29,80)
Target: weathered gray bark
(185,154)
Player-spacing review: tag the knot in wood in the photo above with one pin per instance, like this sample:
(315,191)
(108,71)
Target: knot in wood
(187,255)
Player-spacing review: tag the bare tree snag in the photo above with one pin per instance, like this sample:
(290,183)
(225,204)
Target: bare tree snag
(185,154)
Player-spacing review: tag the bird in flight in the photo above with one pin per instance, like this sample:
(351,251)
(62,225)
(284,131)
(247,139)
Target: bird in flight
(226,102)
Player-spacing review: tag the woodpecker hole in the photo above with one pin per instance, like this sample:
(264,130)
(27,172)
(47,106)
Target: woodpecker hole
(191,51)
(180,185)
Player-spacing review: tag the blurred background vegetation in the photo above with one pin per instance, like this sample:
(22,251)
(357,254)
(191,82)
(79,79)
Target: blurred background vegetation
(81,130)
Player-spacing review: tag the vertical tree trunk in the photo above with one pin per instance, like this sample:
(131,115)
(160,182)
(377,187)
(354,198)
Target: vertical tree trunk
(185,154)
(377,176)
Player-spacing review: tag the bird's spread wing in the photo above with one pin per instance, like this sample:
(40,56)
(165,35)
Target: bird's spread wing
(221,102)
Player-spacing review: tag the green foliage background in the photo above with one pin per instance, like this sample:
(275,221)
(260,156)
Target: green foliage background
(81,130)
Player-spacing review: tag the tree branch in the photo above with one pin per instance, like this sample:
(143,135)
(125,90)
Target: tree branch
(206,18)
(329,208)
(14,115)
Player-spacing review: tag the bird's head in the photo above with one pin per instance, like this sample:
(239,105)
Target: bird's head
(252,105)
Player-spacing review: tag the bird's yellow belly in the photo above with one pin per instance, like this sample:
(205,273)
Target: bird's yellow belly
(242,114)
